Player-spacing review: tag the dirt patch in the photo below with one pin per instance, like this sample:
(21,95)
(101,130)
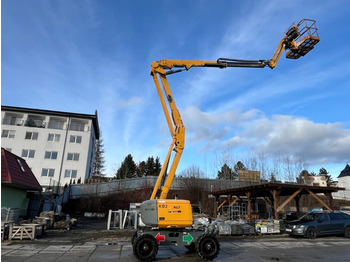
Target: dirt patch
(84,231)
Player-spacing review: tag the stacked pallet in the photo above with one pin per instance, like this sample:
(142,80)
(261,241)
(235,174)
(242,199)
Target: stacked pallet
(25,231)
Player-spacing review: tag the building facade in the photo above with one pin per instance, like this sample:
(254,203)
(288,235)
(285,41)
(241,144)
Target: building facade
(59,147)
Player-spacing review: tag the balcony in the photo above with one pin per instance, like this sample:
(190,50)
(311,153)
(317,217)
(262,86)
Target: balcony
(77,126)
(13,121)
(56,124)
(35,123)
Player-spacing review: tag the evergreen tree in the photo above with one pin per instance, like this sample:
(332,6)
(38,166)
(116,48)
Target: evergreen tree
(272,178)
(141,169)
(237,167)
(157,166)
(127,168)
(99,159)
(149,168)
(324,172)
(226,173)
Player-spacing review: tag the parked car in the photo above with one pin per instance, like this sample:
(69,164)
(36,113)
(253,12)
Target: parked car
(315,224)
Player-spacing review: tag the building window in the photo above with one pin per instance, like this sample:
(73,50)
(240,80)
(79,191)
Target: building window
(8,133)
(75,139)
(28,153)
(32,135)
(50,172)
(54,137)
(51,154)
(70,173)
(73,156)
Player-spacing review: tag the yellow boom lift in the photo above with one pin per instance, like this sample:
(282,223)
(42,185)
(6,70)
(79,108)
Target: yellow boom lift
(170,220)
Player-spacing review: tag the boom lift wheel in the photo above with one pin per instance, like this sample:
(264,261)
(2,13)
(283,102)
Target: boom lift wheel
(145,247)
(207,247)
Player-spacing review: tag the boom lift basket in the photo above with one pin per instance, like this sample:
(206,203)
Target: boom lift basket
(305,36)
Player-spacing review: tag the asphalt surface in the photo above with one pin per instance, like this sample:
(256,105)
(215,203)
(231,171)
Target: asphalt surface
(94,244)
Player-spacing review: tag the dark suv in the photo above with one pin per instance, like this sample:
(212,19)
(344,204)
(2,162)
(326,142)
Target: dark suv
(315,224)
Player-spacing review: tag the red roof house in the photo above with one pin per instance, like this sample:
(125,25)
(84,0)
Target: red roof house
(15,172)
(17,180)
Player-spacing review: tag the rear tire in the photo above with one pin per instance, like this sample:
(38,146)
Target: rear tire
(145,248)
(347,232)
(207,247)
(311,233)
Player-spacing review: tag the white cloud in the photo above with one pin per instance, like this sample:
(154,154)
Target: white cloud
(279,135)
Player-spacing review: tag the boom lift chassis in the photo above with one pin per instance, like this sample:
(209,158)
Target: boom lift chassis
(298,40)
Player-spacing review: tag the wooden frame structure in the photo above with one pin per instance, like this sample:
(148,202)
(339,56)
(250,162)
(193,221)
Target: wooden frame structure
(270,192)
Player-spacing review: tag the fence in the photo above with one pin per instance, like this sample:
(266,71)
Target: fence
(100,189)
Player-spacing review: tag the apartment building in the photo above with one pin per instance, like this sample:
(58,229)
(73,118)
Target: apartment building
(59,147)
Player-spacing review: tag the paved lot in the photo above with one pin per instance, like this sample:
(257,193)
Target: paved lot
(241,249)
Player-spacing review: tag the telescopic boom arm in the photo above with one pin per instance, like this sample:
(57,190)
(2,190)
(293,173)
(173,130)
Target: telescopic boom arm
(298,41)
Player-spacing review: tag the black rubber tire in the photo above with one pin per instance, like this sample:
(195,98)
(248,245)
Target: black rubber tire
(311,233)
(145,248)
(207,247)
(191,248)
(347,232)
(134,237)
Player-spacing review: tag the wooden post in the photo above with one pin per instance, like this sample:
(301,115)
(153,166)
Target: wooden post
(297,198)
(330,199)
(216,198)
(249,205)
(275,203)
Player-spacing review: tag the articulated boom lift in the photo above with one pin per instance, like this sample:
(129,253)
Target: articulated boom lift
(171,219)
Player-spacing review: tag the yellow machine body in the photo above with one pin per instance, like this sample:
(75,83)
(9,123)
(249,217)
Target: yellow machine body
(167,213)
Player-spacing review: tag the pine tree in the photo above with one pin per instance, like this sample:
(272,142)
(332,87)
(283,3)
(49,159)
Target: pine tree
(127,168)
(226,173)
(99,159)
(324,172)
(141,169)
(237,167)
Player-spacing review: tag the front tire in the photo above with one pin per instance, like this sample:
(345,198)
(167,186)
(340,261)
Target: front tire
(145,248)
(311,233)
(207,247)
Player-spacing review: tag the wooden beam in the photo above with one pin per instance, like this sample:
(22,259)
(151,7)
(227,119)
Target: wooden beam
(288,200)
(234,201)
(223,202)
(319,200)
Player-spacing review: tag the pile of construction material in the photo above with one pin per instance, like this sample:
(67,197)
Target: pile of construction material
(35,228)
(267,226)
(224,228)
(58,220)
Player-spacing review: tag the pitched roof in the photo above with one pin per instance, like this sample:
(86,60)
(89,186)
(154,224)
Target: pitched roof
(345,172)
(16,172)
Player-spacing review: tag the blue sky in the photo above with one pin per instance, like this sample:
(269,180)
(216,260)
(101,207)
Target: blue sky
(85,55)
